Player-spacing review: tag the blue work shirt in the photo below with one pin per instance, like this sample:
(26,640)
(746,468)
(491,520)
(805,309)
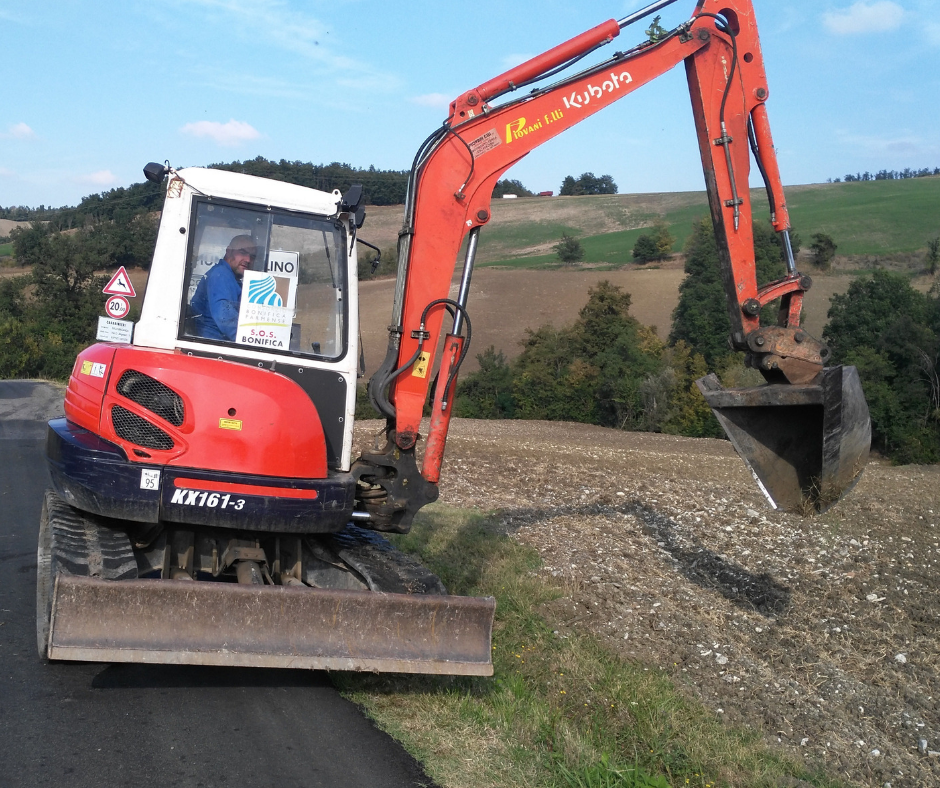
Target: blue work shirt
(215,304)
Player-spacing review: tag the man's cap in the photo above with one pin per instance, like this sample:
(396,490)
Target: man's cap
(242,243)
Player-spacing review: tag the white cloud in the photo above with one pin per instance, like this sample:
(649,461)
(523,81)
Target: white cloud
(99,178)
(228,134)
(19,131)
(435,100)
(864,17)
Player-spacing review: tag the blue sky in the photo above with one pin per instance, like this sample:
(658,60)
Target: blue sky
(93,91)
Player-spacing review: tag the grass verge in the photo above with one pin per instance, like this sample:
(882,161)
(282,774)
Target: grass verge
(560,711)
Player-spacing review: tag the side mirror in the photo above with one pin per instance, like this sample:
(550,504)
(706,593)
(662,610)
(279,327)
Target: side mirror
(352,203)
(352,198)
(155,173)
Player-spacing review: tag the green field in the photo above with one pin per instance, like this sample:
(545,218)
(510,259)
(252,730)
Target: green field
(6,249)
(872,218)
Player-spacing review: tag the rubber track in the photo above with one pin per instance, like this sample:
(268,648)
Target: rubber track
(83,545)
(383,566)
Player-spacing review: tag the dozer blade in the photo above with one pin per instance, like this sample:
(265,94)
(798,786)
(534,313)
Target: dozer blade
(204,623)
(806,445)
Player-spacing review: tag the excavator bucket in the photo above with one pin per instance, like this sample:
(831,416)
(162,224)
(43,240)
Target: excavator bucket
(196,623)
(806,445)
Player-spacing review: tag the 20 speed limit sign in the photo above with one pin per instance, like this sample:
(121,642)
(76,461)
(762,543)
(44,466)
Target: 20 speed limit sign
(117,306)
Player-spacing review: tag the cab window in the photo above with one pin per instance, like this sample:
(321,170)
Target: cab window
(266,280)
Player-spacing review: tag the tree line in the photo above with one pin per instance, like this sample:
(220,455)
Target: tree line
(380,187)
(887,175)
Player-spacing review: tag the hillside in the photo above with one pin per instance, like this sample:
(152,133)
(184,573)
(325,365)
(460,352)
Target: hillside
(868,218)
(519,284)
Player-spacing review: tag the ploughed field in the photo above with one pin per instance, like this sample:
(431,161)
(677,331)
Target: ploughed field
(819,632)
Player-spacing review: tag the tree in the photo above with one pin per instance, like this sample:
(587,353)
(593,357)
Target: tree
(701,316)
(569,250)
(645,249)
(487,393)
(587,183)
(933,255)
(28,242)
(381,187)
(654,246)
(511,187)
(592,371)
(824,250)
(47,316)
(891,333)
(700,319)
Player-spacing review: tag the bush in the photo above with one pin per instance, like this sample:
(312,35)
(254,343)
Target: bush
(824,251)
(569,250)
(891,333)
(50,314)
(487,393)
(933,255)
(654,246)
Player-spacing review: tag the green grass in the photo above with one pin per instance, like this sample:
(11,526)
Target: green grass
(876,218)
(561,711)
(610,249)
(871,217)
(6,249)
(527,234)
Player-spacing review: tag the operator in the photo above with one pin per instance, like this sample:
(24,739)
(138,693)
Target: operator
(215,304)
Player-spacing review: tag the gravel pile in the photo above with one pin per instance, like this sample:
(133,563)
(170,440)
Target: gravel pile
(821,633)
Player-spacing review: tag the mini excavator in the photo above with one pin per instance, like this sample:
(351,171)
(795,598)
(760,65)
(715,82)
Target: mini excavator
(205,504)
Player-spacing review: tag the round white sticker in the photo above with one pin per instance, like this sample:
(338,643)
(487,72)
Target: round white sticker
(117,306)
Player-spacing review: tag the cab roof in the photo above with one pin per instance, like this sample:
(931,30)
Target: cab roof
(262,191)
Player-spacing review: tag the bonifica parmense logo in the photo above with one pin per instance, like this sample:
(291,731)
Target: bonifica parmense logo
(264,292)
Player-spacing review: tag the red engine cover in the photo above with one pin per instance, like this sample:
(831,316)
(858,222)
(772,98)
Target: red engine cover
(235,417)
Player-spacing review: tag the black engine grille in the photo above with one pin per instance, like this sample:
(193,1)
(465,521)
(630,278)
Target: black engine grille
(134,429)
(152,395)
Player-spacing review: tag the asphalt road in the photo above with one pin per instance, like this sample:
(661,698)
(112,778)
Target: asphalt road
(95,725)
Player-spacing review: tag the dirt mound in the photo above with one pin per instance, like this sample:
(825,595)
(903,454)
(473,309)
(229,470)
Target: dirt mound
(819,633)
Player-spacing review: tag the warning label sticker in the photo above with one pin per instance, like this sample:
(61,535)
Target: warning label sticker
(485,143)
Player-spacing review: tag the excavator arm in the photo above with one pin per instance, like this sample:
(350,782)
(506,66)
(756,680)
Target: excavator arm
(448,202)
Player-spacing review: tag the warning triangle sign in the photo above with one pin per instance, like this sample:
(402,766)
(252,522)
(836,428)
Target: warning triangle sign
(120,284)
